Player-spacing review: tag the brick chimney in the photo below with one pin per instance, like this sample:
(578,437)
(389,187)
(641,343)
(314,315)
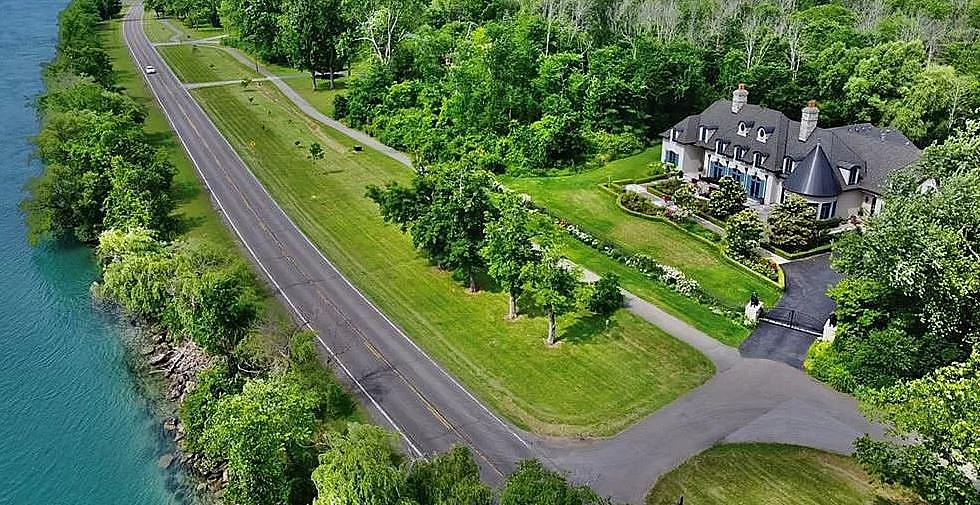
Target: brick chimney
(808,121)
(740,97)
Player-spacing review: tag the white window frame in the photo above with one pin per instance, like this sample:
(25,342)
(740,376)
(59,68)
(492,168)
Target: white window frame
(761,136)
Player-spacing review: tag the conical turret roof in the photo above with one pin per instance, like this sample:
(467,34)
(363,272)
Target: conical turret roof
(814,176)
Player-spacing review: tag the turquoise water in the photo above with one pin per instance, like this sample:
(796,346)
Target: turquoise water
(73,427)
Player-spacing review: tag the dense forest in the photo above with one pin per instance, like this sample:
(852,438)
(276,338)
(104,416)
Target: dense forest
(530,86)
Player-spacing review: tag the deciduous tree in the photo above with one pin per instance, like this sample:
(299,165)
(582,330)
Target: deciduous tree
(446,210)
(552,283)
(727,199)
(509,247)
(743,233)
(792,224)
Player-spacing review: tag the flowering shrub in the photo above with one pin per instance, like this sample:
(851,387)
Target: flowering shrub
(667,274)
(638,203)
(764,266)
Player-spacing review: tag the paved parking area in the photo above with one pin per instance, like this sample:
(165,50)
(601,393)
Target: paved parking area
(807,281)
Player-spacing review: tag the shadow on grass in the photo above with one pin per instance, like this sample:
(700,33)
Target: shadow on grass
(586,328)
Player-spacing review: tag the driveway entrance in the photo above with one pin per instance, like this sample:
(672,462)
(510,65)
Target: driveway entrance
(792,325)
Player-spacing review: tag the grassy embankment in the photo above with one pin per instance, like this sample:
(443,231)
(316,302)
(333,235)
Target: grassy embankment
(600,380)
(212,65)
(769,474)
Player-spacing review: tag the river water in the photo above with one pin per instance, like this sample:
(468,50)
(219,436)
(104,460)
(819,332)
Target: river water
(74,428)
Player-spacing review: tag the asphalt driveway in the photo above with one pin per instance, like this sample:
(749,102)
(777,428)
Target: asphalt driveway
(807,281)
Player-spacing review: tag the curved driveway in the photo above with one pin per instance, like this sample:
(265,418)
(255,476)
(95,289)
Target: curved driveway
(747,400)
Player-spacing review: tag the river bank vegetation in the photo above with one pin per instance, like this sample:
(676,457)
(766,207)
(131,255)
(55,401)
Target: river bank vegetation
(264,413)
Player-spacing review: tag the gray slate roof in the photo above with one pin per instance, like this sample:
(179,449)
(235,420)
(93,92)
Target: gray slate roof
(877,151)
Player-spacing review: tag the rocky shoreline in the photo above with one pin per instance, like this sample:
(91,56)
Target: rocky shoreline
(177,367)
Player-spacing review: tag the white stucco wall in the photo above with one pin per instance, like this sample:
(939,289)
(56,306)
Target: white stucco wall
(688,157)
(849,203)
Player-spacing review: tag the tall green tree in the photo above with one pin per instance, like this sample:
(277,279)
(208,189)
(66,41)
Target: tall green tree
(262,433)
(553,284)
(446,210)
(509,246)
(311,33)
(256,23)
(448,478)
(908,304)
(727,199)
(792,224)
(79,150)
(533,484)
(743,233)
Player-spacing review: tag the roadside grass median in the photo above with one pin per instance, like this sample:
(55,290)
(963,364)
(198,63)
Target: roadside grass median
(604,376)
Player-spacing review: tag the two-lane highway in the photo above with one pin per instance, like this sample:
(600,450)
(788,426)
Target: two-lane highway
(402,386)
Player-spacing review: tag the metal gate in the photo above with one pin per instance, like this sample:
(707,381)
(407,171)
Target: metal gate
(794,319)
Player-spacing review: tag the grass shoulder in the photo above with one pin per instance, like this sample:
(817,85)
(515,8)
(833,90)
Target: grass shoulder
(772,474)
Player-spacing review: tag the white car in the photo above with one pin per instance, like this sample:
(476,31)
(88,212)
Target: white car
(150,69)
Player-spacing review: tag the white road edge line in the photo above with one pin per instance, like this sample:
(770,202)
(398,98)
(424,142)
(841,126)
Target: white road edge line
(255,256)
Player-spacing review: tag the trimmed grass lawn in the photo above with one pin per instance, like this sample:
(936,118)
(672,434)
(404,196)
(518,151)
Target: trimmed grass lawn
(771,474)
(156,31)
(578,199)
(321,99)
(603,377)
(202,63)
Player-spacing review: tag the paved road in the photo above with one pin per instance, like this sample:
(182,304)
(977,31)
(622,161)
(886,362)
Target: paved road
(807,281)
(747,400)
(400,385)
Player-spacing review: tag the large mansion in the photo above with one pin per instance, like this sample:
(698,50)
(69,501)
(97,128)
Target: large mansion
(839,170)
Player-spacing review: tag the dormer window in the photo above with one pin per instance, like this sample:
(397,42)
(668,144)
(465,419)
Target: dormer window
(761,135)
(719,146)
(850,173)
(742,129)
(705,133)
(738,152)
(758,159)
(787,165)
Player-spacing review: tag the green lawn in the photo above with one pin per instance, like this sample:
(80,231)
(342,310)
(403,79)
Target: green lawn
(765,474)
(598,381)
(578,199)
(202,63)
(321,99)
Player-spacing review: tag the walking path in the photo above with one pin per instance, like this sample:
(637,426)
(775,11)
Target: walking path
(197,85)
(747,399)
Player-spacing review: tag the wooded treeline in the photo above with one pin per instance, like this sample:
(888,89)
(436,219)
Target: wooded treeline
(526,86)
